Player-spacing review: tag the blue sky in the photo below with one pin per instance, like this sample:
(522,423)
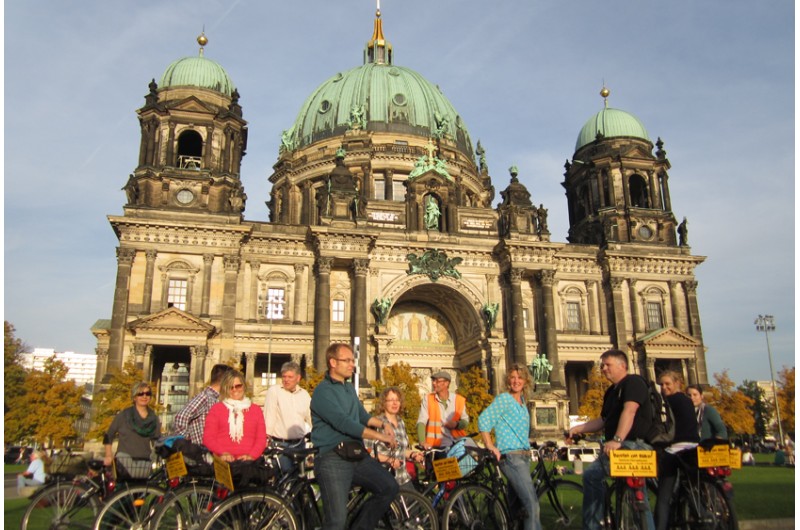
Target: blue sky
(713,79)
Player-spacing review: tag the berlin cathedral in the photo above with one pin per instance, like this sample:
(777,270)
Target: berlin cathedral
(387,231)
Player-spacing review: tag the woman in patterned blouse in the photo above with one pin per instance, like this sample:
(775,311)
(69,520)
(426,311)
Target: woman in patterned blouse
(508,416)
(390,409)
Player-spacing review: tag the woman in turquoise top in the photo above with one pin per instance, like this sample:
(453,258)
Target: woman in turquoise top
(509,417)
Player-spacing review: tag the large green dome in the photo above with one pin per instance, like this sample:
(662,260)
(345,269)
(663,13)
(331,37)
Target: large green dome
(611,123)
(388,98)
(197,72)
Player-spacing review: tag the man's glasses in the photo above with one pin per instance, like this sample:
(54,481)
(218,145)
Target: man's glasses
(142,394)
(349,361)
(237,386)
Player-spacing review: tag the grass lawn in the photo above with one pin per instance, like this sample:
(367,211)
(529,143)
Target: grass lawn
(763,492)
(13,510)
(15,468)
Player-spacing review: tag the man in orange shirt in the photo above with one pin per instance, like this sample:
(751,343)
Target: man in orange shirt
(443,414)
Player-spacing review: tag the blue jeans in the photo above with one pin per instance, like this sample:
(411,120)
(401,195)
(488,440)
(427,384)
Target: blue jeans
(336,476)
(517,469)
(594,489)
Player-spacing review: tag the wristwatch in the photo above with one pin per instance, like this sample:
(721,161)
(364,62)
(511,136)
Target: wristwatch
(617,439)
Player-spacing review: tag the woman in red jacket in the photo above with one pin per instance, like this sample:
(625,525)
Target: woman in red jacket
(235,429)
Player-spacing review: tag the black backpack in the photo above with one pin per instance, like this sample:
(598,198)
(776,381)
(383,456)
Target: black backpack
(662,427)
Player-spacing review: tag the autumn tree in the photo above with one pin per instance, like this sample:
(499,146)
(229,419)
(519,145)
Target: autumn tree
(786,398)
(761,409)
(311,380)
(401,376)
(13,372)
(474,386)
(733,405)
(592,402)
(115,398)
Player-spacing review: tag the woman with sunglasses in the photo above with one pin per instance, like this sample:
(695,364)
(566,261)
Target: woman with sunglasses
(235,429)
(136,427)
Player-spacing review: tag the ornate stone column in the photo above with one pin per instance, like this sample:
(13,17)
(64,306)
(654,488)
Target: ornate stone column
(592,305)
(547,278)
(620,335)
(138,354)
(208,261)
(691,371)
(678,306)
(119,312)
(250,368)
(231,262)
(636,321)
(651,368)
(300,293)
(322,312)
(359,318)
(517,320)
(197,368)
(147,363)
(690,286)
(254,266)
(147,297)
(102,364)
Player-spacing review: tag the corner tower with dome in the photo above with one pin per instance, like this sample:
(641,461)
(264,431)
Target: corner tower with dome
(385,230)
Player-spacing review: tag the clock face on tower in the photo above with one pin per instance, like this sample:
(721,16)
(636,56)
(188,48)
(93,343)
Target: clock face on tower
(645,232)
(184,196)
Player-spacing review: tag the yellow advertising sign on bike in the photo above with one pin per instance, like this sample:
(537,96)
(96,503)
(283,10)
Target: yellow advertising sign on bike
(176,466)
(446,469)
(717,456)
(633,463)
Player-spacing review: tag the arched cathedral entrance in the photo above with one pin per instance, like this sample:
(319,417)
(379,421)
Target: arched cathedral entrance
(437,326)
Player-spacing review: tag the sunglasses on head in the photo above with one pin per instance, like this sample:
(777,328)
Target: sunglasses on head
(141,394)
(237,386)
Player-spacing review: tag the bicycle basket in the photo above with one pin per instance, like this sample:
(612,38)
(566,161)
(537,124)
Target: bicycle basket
(468,454)
(128,467)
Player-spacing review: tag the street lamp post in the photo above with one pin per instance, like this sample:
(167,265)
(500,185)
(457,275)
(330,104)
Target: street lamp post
(766,323)
(274,310)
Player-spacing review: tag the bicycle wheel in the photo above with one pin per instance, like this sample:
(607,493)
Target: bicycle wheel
(560,505)
(411,510)
(629,514)
(188,508)
(253,511)
(474,507)
(718,506)
(130,508)
(61,506)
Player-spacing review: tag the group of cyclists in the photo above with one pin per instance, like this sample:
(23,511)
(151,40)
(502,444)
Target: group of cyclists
(224,420)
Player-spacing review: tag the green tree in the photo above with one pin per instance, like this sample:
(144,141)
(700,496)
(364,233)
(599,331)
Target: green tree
(592,402)
(13,372)
(115,398)
(311,380)
(401,376)
(474,386)
(761,410)
(785,386)
(733,406)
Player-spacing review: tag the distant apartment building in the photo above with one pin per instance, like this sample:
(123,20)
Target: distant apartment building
(82,366)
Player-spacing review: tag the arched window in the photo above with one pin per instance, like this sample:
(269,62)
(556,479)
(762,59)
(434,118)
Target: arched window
(273,296)
(190,150)
(177,280)
(640,197)
(573,303)
(654,302)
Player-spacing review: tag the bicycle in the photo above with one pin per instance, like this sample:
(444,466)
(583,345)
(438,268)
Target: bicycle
(626,505)
(560,500)
(700,499)
(134,504)
(67,501)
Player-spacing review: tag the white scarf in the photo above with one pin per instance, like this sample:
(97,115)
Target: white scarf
(236,410)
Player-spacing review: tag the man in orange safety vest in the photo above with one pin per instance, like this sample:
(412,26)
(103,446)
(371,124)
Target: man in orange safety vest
(443,414)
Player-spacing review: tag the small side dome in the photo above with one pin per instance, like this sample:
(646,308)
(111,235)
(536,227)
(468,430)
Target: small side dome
(198,72)
(611,123)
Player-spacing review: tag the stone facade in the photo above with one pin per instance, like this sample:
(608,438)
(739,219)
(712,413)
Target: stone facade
(388,235)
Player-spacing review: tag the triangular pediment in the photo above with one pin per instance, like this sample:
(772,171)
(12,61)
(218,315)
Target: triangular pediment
(192,104)
(668,339)
(171,320)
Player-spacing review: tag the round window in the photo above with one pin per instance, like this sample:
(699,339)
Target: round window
(645,232)
(325,106)
(399,99)
(185,196)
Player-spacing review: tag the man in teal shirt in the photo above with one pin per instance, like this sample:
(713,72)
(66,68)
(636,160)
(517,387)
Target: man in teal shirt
(338,419)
